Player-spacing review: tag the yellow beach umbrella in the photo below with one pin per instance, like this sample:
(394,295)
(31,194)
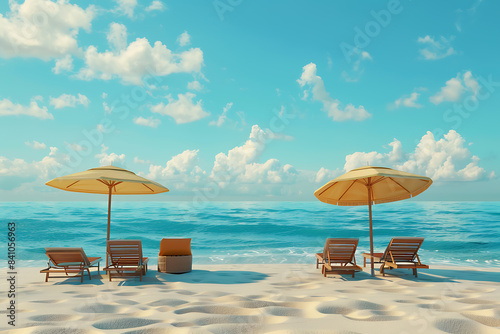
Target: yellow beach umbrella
(372,185)
(108,180)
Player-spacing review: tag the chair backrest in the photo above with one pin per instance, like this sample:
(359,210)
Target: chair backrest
(175,247)
(66,255)
(403,249)
(127,252)
(340,250)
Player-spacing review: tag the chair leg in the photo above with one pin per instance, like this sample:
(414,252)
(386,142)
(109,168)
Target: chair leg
(415,272)
(353,274)
(47,277)
(382,270)
(317,263)
(88,270)
(364,262)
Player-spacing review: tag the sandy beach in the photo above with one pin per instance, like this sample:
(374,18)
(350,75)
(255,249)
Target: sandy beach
(261,298)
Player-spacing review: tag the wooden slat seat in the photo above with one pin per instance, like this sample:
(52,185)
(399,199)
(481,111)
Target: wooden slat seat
(338,257)
(69,260)
(401,253)
(126,259)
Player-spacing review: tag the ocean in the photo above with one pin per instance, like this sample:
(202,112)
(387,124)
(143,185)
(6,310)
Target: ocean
(456,233)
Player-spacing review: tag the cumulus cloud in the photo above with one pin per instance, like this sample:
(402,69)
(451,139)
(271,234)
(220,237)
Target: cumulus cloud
(222,117)
(182,110)
(43,169)
(36,145)
(42,28)
(117,36)
(67,100)
(194,85)
(444,159)
(151,122)
(106,159)
(184,39)
(183,168)
(330,105)
(408,101)
(126,7)
(75,147)
(64,64)
(8,108)
(455,88)
(354,74)
(435,48)
(240,164)
(324,175)
(156,5)
(137,60)
(140,161)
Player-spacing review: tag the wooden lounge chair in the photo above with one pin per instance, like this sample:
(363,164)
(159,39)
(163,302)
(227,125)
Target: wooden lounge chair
(175,256)
(125,259)
(69,260)
(400,254)
(338,257)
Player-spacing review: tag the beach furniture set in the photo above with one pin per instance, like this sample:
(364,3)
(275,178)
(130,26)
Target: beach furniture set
(338,256)
(125,259)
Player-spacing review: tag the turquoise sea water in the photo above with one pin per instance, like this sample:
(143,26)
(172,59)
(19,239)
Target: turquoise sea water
(465,233)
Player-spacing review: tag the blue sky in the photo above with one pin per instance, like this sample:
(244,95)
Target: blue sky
(249,100)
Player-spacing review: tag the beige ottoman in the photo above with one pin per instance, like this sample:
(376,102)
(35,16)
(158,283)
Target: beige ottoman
(175,264)
(175,256)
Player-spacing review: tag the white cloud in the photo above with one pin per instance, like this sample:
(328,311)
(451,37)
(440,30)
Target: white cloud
(182,170)
(48,166)
(436,48)
(138,60)
(64,64)
(455,88)
(408,101)
(324,175)
(222,117)
(184,39)
(445,159)
(140,161)
(357,69)
(75,147)
(107,108)
(194,85)
(7,108)
(67,100)
(109,159)
(117,36)
(36,145)
(240,164)
(151,122)
(42,28)
(126,7)
(182,110)
(156,5)
(330,105)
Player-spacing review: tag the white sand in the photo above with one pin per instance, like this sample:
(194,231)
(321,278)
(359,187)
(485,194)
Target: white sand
(260,299)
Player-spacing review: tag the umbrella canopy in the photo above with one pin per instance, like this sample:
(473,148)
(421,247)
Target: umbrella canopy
(99,180)
(372,185)
(108,180)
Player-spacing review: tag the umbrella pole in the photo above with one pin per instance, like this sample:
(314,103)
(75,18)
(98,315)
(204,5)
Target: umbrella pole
(371,229)
(109,224)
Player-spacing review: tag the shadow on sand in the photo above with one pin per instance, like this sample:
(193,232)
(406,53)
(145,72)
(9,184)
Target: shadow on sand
(193,277)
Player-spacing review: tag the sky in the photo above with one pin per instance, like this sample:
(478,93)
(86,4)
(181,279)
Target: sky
(249,100)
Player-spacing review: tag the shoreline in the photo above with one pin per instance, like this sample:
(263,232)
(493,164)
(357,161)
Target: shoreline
(261,298)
